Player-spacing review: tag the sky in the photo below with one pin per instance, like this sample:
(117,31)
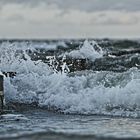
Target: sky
(42,19)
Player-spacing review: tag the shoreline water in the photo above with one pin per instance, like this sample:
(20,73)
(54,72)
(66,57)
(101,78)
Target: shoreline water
(87,104)
(49,125)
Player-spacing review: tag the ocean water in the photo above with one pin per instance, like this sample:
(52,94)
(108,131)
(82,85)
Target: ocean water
(71,89)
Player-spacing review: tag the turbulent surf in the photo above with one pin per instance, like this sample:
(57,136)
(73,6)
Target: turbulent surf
(75,77)
(63,89)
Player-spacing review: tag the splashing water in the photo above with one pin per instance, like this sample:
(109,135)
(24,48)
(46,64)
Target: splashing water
(86,92)
(90,50)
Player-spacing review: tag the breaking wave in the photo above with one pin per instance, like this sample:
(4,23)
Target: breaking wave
(88,50)
(80,92)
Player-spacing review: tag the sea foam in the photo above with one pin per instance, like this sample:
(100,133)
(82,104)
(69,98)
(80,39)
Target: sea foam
(86,92)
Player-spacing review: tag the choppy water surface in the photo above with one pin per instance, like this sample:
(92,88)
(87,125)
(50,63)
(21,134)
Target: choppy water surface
(80,89)
(40,124)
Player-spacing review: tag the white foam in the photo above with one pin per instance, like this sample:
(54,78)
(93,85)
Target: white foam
(105,93)
(1,74)
(90,50)
(12,117)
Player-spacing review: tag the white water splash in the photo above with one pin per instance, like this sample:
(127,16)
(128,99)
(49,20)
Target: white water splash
(99,93)
(90,50)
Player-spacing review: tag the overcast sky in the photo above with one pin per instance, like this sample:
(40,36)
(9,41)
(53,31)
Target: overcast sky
(69,18)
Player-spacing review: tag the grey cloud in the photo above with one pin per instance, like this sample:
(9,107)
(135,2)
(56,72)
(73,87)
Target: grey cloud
(15,18)
(107,19)
(31,3)
(84,5)
(112,21)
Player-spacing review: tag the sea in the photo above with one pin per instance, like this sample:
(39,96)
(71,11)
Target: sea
(80,89)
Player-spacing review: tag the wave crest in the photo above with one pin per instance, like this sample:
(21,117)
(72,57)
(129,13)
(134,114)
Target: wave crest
(85,92)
